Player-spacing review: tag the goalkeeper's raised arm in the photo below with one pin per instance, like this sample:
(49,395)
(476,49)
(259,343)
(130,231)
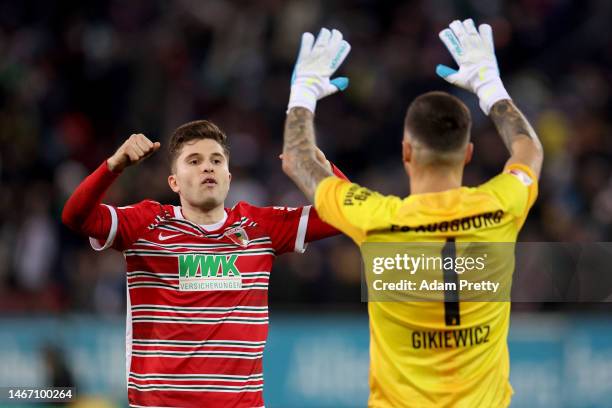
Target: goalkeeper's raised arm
(474,52)
(318,59)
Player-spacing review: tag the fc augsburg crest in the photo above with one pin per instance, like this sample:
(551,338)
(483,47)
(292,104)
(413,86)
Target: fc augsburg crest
(238,236)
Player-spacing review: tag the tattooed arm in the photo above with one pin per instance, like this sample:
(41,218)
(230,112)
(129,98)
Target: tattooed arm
(518,135)
(300,161)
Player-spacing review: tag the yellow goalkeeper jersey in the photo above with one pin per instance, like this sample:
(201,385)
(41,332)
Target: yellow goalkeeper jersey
(418,356)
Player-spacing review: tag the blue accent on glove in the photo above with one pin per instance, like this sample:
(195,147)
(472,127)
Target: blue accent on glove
(293,75)
(444,71)
(341,83)
(297,60)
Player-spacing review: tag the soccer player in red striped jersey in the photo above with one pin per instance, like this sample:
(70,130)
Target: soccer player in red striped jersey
(197,273)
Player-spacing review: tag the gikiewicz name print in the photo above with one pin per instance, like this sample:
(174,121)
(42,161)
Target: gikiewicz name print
(208,272)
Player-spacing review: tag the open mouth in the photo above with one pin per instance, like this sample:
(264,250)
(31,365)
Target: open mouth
(209,181)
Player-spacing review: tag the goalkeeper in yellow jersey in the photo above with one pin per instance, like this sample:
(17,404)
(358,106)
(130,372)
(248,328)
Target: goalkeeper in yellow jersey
(426,354)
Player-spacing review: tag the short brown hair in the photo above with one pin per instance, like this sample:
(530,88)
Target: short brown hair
(196,130)
(440,121)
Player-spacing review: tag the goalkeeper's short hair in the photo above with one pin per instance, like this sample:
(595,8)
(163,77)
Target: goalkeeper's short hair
(439,121)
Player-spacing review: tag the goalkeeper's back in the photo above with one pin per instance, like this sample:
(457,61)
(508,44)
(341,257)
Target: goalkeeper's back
(433,354)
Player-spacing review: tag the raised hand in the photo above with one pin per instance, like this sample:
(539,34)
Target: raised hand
(473,50)
(316,63)
(134,150)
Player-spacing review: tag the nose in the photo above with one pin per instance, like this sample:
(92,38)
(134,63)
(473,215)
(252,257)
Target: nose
(207,167)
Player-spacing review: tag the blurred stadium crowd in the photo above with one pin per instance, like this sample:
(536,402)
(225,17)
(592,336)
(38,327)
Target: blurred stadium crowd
(77,78)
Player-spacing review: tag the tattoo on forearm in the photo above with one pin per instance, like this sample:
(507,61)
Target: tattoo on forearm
(299,144)
(510,122)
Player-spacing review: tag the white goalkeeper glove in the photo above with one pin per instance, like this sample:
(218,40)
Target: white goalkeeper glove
(315,64)
(474,52)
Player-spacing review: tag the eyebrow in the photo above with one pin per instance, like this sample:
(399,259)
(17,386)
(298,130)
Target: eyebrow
(199,154)
(191,155)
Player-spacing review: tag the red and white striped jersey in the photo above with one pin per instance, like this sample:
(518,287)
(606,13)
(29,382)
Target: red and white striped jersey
(197,318)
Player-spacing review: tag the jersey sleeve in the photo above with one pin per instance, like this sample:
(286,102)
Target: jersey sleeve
(516,189)
(126,224)
(317,228)
(352,208)
(287,226)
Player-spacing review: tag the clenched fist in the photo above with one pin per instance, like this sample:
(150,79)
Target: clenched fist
(134,150)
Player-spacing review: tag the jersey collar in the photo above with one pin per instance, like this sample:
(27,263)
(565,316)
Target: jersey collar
(206,227)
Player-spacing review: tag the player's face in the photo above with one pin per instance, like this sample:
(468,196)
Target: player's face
(201,176)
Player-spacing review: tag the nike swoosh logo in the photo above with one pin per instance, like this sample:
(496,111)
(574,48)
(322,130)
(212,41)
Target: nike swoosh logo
(165,237)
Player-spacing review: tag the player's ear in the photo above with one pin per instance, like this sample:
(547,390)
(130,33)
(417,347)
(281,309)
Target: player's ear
(469,151)
(173,184)
(406,151)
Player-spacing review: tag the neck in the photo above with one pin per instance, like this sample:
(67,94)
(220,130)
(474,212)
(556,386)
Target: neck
(201,216)
(434,180)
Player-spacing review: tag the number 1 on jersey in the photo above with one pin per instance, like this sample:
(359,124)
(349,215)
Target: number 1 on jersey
(451,297)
